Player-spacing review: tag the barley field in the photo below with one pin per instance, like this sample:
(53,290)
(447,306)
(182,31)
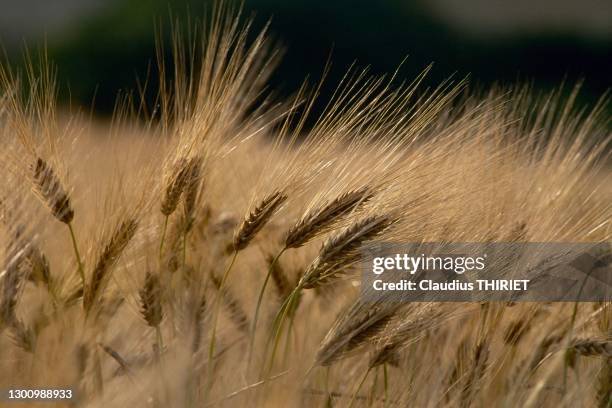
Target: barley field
(203,253)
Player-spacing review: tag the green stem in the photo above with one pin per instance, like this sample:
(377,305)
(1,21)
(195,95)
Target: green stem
(77,254)
(277,327)
(257,308)
(288,338)
(359,387)
(211,348)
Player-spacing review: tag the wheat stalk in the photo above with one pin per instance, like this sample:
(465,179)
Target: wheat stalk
(593,347)
(48,188)
(354,327)
(319,221)
(174,186)
(198,321)
(150,300)
(257,218)
(50,191)
(411,326)
(342,250)
(110,254)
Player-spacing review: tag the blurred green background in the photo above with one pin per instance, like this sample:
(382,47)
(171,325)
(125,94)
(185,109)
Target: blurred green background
(101,46)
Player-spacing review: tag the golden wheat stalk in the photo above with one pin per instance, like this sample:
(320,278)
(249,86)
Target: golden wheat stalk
(314,223)
(174,186)
(593,347)
(250,226)
(49,189)
(319,221)
(150,300)
(354,328)
(257,219)
(198,323)
(110,254)
(342,250)
(411,327)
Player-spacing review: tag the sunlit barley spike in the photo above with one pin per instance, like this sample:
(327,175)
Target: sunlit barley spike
(592,347)
(409,328)
(355,327)
(256,220)
(319,221)
(174,187)
(235,311)
(342,250)
(192,190)
(109,256)
(150,299)
(50,191)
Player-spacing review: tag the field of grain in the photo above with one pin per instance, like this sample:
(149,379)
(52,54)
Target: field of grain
(203,254)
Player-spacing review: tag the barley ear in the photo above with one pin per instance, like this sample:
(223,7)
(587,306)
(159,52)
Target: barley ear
(174,187)
(256,220)
(107,259)
(593,347)
(342,250)
(48,188)
(320,220)
(150,299)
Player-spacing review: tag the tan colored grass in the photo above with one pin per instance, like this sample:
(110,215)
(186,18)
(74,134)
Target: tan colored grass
(509,165)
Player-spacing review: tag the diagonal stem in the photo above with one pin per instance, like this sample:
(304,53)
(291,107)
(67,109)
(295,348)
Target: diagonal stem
(77,254)
(259,301)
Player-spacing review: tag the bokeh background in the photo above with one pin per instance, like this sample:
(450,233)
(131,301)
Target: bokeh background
(102,46)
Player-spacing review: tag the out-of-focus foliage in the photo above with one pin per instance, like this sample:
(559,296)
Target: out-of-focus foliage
(106,51)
